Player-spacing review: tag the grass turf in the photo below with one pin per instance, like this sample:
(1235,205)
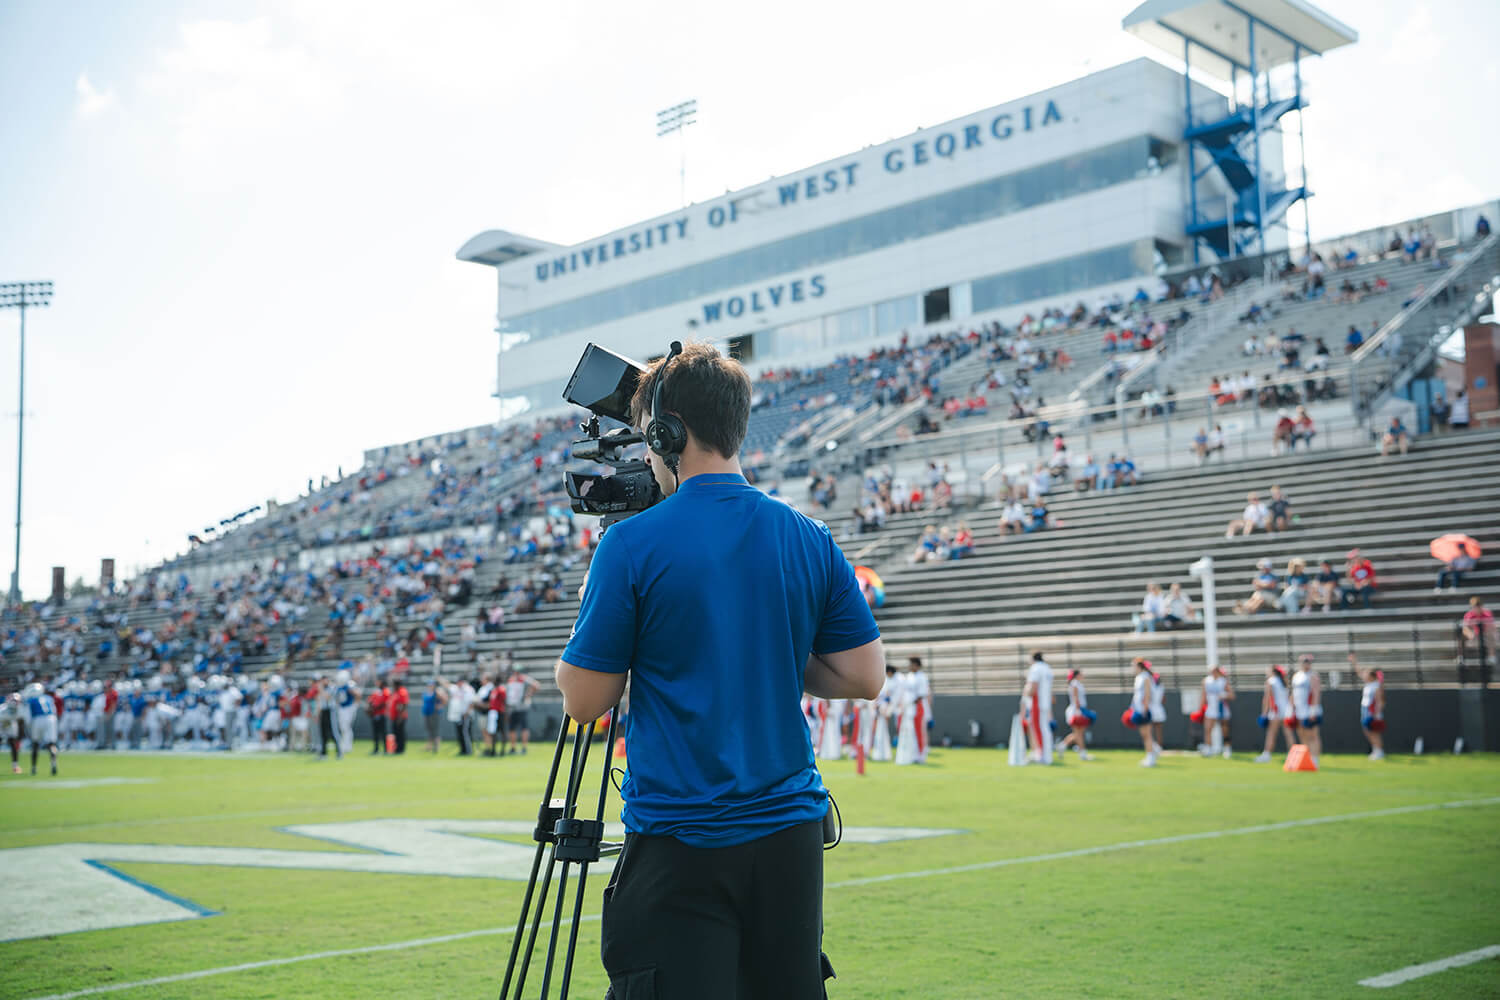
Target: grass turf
(1298,911)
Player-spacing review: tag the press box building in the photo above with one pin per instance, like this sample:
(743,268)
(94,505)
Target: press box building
(1097,185)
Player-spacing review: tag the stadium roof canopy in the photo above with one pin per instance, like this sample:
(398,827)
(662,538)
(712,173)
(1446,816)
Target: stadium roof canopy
(1220,32)
(496,246)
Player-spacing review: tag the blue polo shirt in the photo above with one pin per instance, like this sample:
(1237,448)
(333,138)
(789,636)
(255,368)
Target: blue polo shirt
(713,599)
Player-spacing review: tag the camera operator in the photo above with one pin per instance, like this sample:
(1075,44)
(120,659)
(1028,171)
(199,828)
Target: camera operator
(724,605)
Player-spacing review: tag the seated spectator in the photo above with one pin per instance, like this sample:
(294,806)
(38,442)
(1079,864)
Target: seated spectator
(1216,442)
(1264,590)
(1302,429)
(1280,509)
(1452,573)
(1058,464)
(1180,610)
(1281,436)
(1040,517)
(927,545)
(1255,517)
(963,542)
(942,496)
(1119,472)
(1294,591)
(1153,610)
(1395,437)
(1359,576)
(1353,339)
(1040,482)
(1200,445)
(1324,588)
(1478,625)
(1013,518)
(1086,475)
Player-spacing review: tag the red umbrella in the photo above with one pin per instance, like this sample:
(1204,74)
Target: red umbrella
(1446,548)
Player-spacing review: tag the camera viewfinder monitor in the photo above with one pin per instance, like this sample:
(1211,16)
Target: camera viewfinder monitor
(603,383)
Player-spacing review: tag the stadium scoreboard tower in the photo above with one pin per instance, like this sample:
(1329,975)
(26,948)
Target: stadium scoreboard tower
(1097,186)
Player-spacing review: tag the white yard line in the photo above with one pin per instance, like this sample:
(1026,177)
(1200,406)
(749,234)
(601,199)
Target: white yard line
(847,883)
(292,960)
(1428,968)
(1181,838)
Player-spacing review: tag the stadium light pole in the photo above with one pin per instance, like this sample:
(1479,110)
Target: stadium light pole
(20,295)
(675,119)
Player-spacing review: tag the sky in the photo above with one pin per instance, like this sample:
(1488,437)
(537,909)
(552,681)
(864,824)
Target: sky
(250,210)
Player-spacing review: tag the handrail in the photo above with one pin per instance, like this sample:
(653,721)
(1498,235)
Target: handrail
(1454,270)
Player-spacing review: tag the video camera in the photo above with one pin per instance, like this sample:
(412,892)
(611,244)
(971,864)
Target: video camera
(603,383)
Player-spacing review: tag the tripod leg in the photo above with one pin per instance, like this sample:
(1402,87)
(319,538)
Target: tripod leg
(583,870)
(536,863)
(583,739)
(536,923)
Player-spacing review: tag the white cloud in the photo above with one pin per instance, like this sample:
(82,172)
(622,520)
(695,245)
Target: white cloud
(92,101)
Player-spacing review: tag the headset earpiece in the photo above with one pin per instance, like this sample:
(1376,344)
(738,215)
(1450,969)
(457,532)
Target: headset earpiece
(665,434)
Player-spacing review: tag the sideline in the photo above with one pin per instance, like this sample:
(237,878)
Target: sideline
(847,883)
(1428,968)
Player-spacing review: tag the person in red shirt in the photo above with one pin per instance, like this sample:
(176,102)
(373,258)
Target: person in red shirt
(492,719)
(1479,625)
(291,710)
(377,709)
(396,704)
(1359,575)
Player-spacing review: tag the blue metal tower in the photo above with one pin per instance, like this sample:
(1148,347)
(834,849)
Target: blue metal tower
(1231,41)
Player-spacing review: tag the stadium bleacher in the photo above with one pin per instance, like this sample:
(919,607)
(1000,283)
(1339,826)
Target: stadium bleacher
(485,496)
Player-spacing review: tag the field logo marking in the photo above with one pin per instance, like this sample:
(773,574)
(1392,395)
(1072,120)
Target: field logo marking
(62,888)
(1411,972)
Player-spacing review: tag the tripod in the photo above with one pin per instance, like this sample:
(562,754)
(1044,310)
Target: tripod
(565,838)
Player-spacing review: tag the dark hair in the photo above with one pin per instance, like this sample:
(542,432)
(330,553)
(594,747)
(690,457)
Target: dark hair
(914,661)
(711,393)
(1037,655)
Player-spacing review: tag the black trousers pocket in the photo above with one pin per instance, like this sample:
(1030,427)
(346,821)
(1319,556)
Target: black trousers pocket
(638,984)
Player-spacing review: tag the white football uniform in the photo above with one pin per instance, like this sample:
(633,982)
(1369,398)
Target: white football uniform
(1158,700)
(41,720)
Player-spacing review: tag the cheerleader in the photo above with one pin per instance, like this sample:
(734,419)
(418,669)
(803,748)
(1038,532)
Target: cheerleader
(831,745)
(880,747)
(1138,715)
(907,708)
(1307,704)
(1371,707)
(1036,709)
(921,695)
(1078,716)
(1218,692)
(1276,711)
(1158,707)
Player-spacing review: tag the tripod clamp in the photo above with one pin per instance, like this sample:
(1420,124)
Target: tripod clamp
(578,839)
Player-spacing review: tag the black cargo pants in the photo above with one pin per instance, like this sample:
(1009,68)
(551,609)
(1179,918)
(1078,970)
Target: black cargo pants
(728,923)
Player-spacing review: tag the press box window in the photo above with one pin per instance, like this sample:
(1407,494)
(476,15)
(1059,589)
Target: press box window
(935,306)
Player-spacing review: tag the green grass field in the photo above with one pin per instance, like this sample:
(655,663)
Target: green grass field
(1239,910)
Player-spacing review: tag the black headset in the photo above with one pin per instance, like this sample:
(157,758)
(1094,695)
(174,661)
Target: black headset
(666,434)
